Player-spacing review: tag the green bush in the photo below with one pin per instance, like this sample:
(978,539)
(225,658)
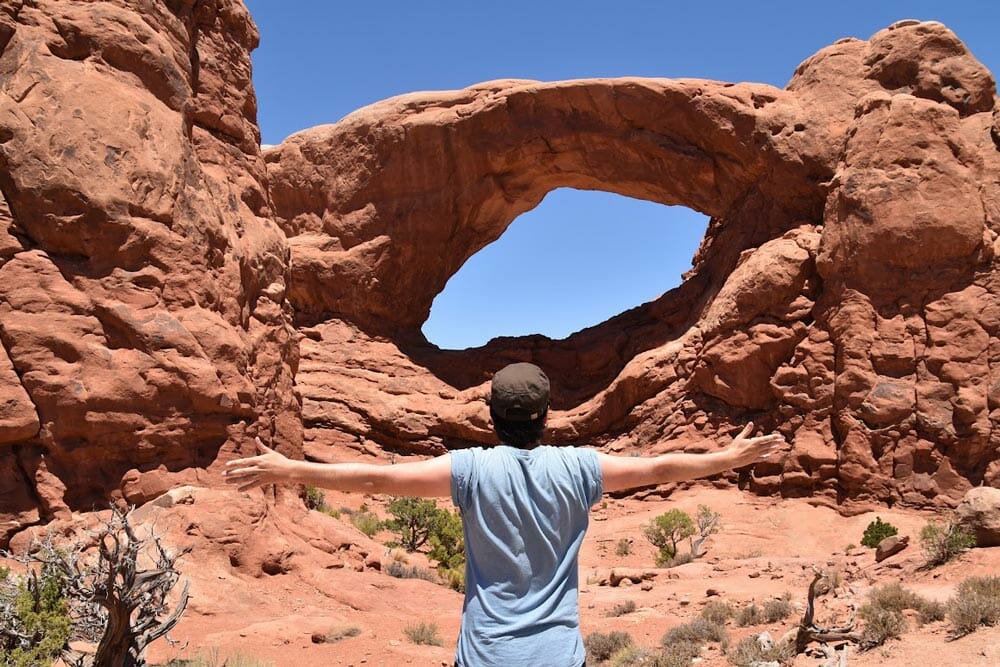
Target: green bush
(666,531)
(601,646)
(942,542)
(455,577)
(36,609)
(877,531)
(447,541)
(622,608)
(314,499)
(366,521)
(413,520)
(976,602)
(424,633)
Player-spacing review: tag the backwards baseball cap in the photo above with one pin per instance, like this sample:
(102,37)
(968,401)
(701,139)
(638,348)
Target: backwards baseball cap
(519,392)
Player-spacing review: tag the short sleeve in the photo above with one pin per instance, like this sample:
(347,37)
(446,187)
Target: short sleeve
(462,464)
(593,478)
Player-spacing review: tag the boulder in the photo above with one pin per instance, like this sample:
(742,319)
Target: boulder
(891,546)
(979,512)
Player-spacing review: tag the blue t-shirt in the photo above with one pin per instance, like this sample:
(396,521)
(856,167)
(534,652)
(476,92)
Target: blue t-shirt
(524,514)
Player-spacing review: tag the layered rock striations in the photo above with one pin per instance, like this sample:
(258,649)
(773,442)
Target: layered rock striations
(845,293)
(154,265)
(143,324)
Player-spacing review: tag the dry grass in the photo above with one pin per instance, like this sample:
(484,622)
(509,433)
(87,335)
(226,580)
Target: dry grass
(424,633)
(976,603)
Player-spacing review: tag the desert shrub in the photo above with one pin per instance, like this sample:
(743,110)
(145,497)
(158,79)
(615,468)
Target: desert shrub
(413,520)
(366,521)
(447,540)
(623,547)
(707,523)
(314,499)
(776,610)
(718,612)
(942,542)
(749,651)
(931,611)
(749,615)
(336,634)
(632,656)
(35,624)
(678,559)
(976,602)
(880,626)
(601,646)
(401,571)
(4,573)
(895,597)
(666,531)
(698,631)
(883,613)
(210,658)
(424,633)
(678,654)
(455,577)
(622,608)
(877,531)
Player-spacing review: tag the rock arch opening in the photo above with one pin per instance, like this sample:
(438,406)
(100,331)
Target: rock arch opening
(577,259)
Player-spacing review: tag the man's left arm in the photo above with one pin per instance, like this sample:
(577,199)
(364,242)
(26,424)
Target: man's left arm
(428,479)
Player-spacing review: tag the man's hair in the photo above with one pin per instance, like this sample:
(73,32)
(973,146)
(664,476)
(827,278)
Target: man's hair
(520,434)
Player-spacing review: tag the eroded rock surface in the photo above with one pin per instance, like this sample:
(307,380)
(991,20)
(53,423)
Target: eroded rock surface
(845,293)
(143,325)
(153,262)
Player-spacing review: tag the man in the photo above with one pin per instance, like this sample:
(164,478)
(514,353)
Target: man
(525,511)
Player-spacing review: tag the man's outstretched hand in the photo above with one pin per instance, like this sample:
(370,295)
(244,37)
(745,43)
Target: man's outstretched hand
(268,467)
(746,450)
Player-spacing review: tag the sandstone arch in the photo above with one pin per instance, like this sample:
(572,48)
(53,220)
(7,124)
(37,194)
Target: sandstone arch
(809,198)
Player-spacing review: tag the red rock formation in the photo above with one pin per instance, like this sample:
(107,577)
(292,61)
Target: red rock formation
(845,292)
(142,314)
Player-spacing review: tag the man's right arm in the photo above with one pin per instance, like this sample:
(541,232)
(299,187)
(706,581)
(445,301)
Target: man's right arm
(628,472)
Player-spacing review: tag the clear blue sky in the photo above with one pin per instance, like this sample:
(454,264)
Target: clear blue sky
(598,254)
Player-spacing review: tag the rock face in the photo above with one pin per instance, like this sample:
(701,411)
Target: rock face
(846,293)
(979,512)
(154,265)
(143,325)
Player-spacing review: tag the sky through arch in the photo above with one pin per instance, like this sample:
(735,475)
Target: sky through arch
(573,261)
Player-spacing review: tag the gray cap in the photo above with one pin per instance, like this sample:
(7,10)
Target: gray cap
(520,392)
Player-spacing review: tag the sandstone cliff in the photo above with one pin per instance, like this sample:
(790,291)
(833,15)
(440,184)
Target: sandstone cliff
(154,265)
(142,313)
